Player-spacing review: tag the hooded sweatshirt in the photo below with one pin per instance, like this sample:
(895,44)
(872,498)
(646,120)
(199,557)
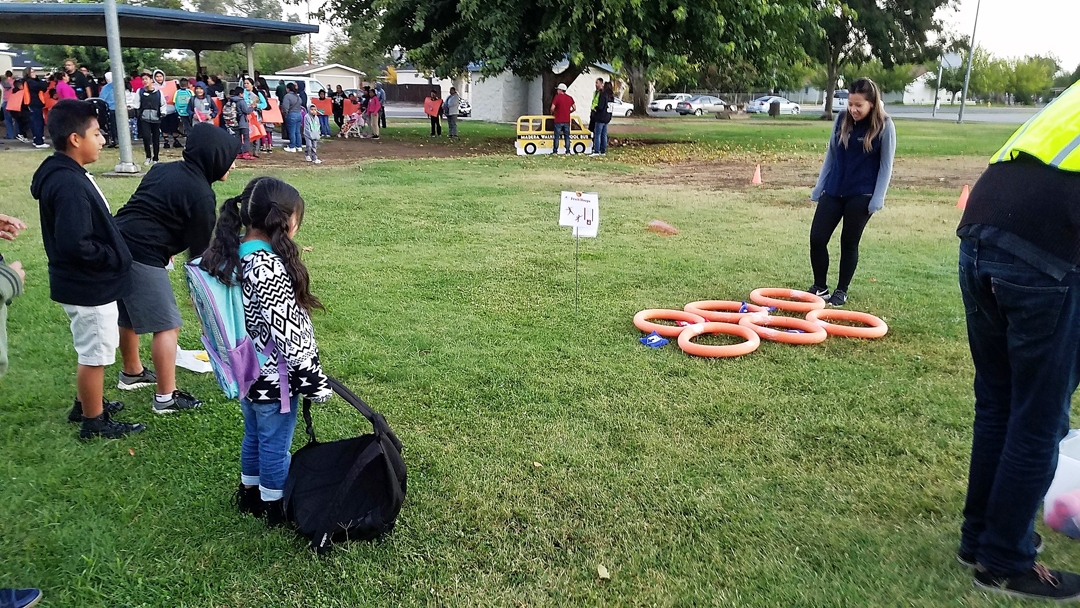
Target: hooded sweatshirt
(88,258)
(167,105)
(174,207)
(301,90)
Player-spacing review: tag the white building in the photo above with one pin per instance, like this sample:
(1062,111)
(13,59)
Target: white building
(330,75)
(505,97)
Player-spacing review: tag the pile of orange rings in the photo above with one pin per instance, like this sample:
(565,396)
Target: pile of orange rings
(753,322)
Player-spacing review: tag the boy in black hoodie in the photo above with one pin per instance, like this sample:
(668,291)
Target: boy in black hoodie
(174,209)
(88,259)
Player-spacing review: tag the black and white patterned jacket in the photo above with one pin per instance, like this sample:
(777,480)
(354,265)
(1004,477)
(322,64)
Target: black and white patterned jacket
(271,310)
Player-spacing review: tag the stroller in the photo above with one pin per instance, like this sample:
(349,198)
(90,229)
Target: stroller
(102,109)
(353,127)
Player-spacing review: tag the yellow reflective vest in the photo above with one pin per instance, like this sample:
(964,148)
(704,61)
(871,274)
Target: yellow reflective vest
(1052,135)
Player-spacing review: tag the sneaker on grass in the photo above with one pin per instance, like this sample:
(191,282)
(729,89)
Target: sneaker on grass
(104,426)
(180,401)
(141,380)
(967,558)
(1039,583)
(819,291)
(109,407)
(838,298)
(19,598)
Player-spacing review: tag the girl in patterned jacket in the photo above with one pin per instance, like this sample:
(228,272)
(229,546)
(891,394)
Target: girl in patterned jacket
(253,241)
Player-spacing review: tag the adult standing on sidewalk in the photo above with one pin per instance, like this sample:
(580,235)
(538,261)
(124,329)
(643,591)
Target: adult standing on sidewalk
(452,107)
(1020,281)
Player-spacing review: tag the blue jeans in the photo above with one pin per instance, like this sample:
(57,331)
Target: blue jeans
(564,128)
(1024,333)
(37,126)
(292,125)
(599,138)
(10,128)
(264,453)
(324,125)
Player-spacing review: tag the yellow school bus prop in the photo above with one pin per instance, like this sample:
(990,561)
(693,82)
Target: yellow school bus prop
(536,135)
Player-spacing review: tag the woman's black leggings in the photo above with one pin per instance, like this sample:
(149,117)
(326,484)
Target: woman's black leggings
(830,210)
(436,125)
(151,134)
(339,119)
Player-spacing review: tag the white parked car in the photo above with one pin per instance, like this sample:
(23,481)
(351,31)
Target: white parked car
(621,108)
(839,100)
(465,108)
(667,102)
(761,105)
(699,105)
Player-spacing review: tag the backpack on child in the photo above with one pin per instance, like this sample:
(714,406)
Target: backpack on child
(351,489)
(229,115)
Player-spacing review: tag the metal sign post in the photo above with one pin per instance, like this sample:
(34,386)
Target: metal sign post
(116,63)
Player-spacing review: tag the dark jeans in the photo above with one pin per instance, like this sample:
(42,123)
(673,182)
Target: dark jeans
(324,125)
(382,117)
(151,135)
(451,123)
(854,210)
(37,126)
(564,128)
(10,125)
(436,125)
(292,123)
(111,127)
(599,141)
(1024,332)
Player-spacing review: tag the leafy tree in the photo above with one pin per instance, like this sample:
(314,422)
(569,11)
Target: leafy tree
(1030,77)
(890,80)
(269,58)
(893,32)
(96,58)
(358,47)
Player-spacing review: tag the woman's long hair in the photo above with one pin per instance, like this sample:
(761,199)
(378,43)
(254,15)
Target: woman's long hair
(266,204)
(868,89)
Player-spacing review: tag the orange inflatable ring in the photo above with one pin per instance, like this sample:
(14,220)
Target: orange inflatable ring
(812,332)
(875,327)
(726,350)
(805,301)
(641,321)
(721,311)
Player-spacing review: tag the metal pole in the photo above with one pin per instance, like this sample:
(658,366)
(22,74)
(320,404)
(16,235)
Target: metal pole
(971,57)
(251,60)
(116,63)
(937,89)
(577,283)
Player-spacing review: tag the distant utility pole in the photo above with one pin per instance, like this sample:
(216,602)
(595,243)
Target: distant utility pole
(309,34)
(971,56)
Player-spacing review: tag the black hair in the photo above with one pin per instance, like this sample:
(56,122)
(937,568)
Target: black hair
(236,92)
(147,75)
(183,81)
(291,87)
(58,76)
(266,204)
(69,116)
(609,89)
(8,74)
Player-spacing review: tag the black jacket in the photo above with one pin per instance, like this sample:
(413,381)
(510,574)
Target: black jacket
(603,111)
(88,259)
(36,85)
(174,207)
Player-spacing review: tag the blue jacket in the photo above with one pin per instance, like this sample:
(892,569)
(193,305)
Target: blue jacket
(106,93)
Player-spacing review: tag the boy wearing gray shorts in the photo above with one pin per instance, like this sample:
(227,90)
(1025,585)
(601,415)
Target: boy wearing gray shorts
(173,210)
(88,259)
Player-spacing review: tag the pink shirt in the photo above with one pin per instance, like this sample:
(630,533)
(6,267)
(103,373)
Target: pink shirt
(64,91)
(373,105)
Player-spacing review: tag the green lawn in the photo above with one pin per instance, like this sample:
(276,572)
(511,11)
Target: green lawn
(830,475)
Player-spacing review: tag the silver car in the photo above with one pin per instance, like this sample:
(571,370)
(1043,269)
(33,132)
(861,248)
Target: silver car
(699,105)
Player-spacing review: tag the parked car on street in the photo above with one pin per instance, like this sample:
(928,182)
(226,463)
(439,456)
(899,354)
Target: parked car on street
(839,100)
(621,108)
(668,101)
(699,105)
(761,105)
(465,108)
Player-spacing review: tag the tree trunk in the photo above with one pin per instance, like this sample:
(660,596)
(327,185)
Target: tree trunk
(198,63)
(642,88)
(551,81)
(832,73)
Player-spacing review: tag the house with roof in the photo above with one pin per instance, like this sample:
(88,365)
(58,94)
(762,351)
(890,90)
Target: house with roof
(505,97)
(330,75)
(17,60)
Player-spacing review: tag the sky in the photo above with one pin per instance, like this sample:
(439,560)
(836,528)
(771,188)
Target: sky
(1015,28)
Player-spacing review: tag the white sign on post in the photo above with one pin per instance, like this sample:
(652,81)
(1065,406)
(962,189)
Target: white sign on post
(581,211)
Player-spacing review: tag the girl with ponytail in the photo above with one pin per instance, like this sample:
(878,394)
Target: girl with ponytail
(253,245)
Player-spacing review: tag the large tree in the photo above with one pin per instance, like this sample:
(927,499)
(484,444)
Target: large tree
(534,39)
(893,32)
(359,48)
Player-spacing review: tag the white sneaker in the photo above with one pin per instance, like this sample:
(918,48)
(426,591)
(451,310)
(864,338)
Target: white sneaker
(307,158)
(288,149)
(42,146)
(317,161)
(148,162)
(594,154)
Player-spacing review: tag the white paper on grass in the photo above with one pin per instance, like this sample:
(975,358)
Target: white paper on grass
(188,359)
(580,211)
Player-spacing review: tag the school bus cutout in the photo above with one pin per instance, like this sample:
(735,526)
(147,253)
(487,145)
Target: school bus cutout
(536,135)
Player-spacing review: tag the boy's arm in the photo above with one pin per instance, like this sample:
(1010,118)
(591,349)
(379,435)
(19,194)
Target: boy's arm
(201,227)
(74,230)
(11,284)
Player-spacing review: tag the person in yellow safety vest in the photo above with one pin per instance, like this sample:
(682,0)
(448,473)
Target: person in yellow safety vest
(592,112)
(1020,282)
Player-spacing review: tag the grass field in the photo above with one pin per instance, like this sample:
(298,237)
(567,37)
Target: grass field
(796,476)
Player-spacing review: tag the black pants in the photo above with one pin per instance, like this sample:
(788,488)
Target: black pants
(151,132)
(830,210)
(382,117)
(436,125)
(339,119)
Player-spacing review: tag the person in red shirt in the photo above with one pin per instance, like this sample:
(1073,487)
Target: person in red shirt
(561,107)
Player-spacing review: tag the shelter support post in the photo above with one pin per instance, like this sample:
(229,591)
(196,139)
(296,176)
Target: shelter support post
(251,58)
(198,62)
(116,63)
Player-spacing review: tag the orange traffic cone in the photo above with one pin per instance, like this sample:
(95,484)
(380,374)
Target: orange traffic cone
(962,202)
(756,181)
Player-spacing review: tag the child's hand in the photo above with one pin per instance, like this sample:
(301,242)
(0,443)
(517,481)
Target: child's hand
(17,267)
(10,227)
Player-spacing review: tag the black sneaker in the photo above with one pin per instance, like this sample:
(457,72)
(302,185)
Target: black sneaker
(249,500)
(180,401)
(141,380)
(275,513)
(967,558)
(109,407)
(166,146)
(838,298)
(105,426)
(819,291)
(1039,583)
